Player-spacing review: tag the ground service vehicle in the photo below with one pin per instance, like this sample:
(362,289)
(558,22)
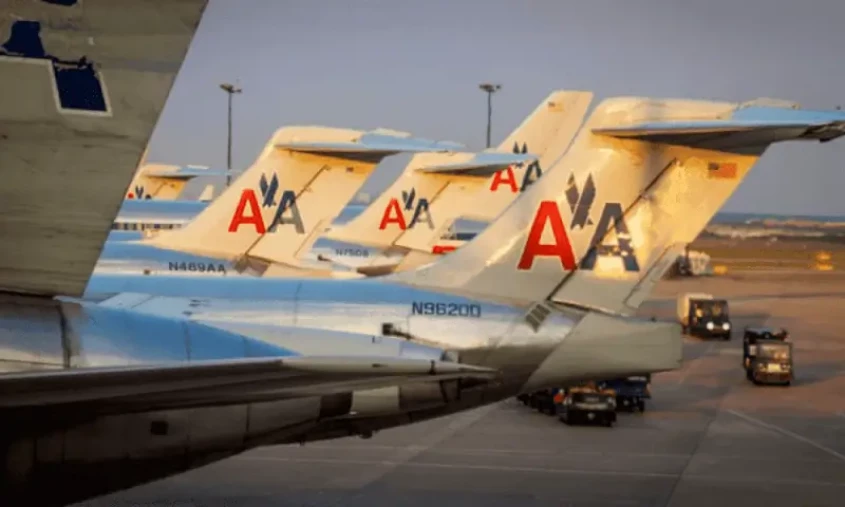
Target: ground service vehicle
(693,263)
(767,356)
(544,400)
(538,399)
(704,316)
(586,404)
(630,392)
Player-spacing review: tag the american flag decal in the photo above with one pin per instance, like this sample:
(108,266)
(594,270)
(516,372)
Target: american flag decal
(724,170)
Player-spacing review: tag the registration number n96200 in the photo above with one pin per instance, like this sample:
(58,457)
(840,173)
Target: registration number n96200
(446,309)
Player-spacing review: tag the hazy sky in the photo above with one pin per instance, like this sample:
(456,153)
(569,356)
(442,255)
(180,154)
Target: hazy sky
(415,66)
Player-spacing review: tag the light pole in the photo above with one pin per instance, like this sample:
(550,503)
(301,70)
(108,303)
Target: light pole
(490,89)
(230,89)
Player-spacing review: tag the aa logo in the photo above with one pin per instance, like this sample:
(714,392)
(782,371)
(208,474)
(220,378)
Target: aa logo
(394,213)
(580,201)
(580,204)
(139,193)
(248,211)
(507,178)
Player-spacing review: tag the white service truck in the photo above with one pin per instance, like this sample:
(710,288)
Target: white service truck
(702,315)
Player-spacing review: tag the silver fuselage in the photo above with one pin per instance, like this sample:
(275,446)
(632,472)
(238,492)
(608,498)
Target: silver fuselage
(447,321)
(355,315)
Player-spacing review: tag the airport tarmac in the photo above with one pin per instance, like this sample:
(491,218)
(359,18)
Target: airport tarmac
(708,436)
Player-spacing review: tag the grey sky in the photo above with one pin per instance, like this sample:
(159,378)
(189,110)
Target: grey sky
(415,66)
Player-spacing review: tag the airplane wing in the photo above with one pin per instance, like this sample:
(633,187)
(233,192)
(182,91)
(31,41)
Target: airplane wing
(81,88)
(216,382)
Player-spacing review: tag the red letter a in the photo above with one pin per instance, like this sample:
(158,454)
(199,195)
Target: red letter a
(392,209)
(498,179)
(561,248)
(254,218)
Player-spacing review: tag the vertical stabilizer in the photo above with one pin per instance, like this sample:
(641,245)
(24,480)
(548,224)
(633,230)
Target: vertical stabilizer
(406,204)
(148,185)
(547,132)
(436,189)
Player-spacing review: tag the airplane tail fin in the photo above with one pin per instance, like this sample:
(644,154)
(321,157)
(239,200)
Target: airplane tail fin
(436,189)
(406,204)
(300,181)
(547,132)
(642,179)
(164,182)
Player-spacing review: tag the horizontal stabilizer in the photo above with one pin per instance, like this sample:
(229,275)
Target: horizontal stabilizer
(226,381)
(762,124)
(376,143)
(183,172)
(485,163)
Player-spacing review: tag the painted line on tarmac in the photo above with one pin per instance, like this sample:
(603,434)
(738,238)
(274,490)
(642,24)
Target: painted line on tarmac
(460,421)
(492,468)
(539,470)
(786,432)
(270,452)
(456,451)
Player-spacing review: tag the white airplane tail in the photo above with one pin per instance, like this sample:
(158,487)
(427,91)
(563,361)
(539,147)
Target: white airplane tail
(642,179)
(301,180)
(435,189)
(547,132)
(406,205)
(157,181)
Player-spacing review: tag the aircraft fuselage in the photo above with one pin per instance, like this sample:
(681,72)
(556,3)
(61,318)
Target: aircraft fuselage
(314,315)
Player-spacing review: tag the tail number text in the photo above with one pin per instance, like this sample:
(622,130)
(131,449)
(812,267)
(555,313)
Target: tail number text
(446,309)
